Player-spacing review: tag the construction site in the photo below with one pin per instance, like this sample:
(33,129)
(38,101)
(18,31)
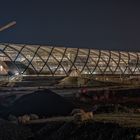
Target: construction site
(59,93)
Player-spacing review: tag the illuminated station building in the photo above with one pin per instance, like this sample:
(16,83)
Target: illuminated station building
(37,60)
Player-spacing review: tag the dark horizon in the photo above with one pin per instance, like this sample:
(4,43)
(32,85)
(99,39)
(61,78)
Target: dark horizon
(95,24)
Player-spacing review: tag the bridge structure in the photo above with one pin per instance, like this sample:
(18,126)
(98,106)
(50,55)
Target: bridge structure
(39,60)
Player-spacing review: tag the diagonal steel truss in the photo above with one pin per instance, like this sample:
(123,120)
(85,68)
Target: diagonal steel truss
(53,61)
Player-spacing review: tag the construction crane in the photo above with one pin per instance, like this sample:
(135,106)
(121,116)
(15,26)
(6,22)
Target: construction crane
(7,26)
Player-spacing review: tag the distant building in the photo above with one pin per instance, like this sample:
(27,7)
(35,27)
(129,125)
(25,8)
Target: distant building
(60,61)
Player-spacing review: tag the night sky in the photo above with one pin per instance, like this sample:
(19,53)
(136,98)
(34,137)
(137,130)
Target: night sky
(99,24)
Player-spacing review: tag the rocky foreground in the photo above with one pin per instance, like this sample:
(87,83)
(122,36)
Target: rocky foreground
(67,131)
(107,122)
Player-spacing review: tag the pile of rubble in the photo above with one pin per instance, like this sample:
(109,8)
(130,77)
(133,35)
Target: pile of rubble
(80,115)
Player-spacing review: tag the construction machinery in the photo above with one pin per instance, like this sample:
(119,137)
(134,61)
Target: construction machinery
(7,26)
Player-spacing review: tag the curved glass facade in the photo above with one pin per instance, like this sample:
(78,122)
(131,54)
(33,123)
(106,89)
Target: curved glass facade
(60,61)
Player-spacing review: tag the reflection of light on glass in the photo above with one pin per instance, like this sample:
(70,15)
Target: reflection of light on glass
(86,72)
(1,68)
(69,55)
(61,69)
(16,73)
(94,72)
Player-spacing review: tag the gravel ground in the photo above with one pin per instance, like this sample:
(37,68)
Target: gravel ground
(67,131)
(85,131)
(11,131)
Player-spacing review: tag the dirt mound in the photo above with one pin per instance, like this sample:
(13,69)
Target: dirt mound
(42,102)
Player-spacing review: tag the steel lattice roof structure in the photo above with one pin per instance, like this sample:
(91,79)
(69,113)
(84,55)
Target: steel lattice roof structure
(61,61)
